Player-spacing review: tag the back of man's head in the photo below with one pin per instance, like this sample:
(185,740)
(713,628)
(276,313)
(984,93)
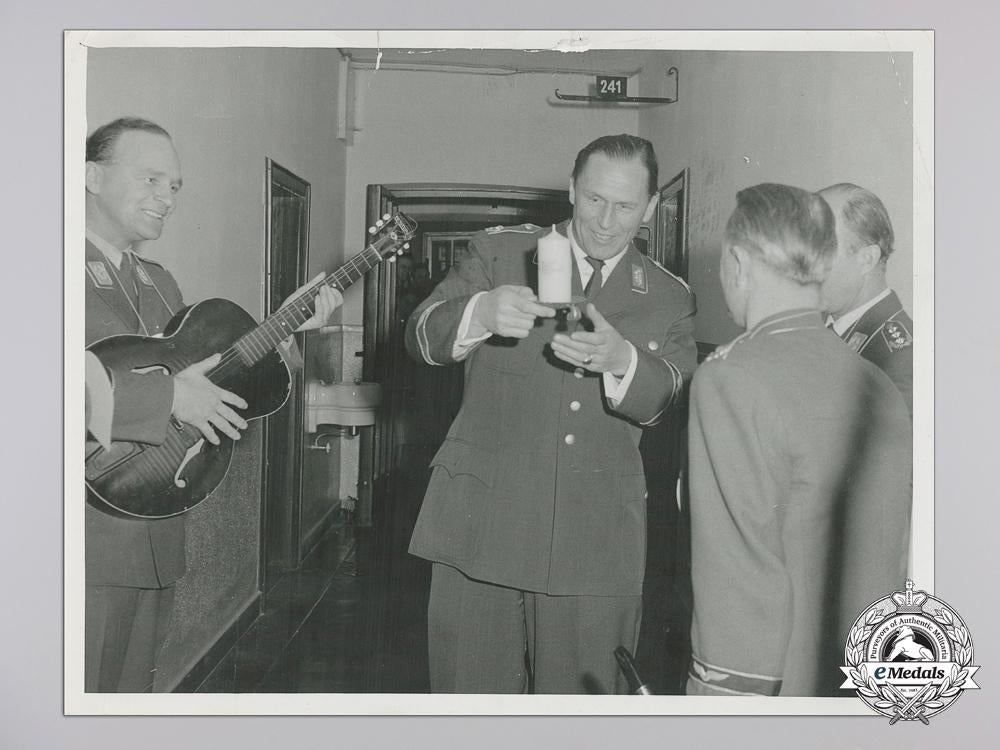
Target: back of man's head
(864,217)
(790,230)
(101,143)
(621,147)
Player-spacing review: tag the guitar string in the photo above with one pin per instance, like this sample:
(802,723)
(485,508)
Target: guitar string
(250,340)
(162,463)
(338,277)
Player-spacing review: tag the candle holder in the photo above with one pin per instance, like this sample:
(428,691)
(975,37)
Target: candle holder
(571,310)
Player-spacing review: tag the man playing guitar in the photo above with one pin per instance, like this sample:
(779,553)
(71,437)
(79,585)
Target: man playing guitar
(132,180)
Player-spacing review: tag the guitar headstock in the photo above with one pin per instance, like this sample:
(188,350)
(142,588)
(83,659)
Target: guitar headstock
(394,232)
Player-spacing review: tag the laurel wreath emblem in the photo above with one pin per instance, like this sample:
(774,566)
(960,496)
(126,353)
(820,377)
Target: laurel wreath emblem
(935,695)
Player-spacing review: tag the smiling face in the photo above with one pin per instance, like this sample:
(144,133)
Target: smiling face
(130,196)
(610,202)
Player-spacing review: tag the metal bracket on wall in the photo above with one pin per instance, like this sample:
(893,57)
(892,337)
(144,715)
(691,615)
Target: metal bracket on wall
(613,99)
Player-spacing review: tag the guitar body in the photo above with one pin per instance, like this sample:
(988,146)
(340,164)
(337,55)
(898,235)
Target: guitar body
(140,480)
(158,481)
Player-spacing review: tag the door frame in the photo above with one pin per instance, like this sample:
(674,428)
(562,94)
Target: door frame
(278,555)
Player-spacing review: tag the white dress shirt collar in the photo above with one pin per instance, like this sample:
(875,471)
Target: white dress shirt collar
(581,259)
(842,324)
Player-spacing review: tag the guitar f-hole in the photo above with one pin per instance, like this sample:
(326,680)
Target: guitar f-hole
(193,451)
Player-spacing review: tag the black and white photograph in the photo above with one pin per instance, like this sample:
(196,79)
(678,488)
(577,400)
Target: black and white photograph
(547,372)
(499,376)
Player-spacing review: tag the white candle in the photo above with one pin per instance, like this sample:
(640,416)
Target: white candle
(555,268)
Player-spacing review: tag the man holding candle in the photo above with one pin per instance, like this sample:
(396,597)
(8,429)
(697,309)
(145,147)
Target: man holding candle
(534,517)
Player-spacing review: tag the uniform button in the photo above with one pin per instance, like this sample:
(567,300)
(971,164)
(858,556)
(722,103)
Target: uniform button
(569,439)
(653,346)
(574,405)
(578,372)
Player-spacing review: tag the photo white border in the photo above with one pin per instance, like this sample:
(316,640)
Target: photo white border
(76,43)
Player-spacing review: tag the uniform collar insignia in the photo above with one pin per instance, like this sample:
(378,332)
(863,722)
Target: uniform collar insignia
(896,336)
(98,273)
(639,278)
(856,341)
(141,273)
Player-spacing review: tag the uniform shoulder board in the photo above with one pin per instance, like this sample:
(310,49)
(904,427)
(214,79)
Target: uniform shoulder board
(526,228)
(896,336)
(669,273)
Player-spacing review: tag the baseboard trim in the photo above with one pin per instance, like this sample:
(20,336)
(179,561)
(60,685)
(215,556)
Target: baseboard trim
(318,531)
(222,645)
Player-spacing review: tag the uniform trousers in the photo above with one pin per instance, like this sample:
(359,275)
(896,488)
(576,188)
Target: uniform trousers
(485,638)
(124,627)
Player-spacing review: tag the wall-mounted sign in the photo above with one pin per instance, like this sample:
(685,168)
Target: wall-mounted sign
(612,87)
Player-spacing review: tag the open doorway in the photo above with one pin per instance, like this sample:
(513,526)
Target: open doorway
(419,402)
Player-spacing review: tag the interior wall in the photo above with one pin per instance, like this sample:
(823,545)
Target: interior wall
(417,126)
(228,109)
(808,119)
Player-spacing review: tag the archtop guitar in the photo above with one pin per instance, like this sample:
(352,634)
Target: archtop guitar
(157,481)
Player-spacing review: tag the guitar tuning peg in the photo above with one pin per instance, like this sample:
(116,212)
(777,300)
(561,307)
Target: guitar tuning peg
(392,258)
(400,251)
(406,246)
(379,223)
(386,217)
(371,230)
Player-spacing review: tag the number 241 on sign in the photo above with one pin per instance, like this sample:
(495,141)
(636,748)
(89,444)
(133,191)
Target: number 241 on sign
(612,86)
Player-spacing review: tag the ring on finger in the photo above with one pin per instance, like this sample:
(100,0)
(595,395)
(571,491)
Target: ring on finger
(588,360)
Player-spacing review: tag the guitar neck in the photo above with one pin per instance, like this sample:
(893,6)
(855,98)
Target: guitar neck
(265,338)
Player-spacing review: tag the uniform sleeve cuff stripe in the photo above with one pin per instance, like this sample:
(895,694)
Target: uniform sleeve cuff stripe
(732,680)
(425,348)
(678,382)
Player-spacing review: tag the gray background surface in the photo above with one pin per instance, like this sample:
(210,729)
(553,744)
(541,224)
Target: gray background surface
(967,358)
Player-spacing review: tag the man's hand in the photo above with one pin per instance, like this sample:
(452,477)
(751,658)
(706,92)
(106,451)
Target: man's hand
(603,350)
(328,300)
(199,402)
(509,311)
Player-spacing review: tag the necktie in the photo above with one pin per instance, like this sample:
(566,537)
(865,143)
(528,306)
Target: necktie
(596,278)
(127,278)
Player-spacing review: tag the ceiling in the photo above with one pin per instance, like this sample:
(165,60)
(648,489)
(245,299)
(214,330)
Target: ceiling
(509,61)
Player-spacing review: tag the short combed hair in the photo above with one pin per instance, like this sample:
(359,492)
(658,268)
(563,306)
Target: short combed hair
(621,147)
(865,217)
(790,229)
(101,143)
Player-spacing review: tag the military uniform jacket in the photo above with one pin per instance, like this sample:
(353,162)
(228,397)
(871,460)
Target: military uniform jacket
(539,484)
(119,551)
(800,506)
(884,335)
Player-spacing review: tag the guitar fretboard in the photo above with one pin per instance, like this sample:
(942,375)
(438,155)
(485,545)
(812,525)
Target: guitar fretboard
(259,342)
